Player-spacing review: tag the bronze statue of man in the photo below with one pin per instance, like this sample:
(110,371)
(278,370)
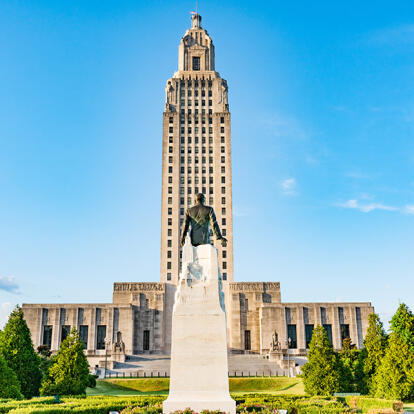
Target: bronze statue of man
(200,217)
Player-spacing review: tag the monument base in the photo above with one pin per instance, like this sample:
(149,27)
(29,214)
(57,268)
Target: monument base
(198,406)
(199,367)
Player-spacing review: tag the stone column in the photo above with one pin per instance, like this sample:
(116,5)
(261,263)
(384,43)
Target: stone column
(283,328)
(301,330)
(92,331)
(110,325)
(38,339)
(317,314)
(56,330)
(353,331)
(336,329)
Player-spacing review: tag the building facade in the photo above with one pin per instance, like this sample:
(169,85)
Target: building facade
(196,157)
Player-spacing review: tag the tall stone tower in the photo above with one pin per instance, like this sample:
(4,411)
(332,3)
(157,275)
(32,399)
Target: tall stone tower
(196,149)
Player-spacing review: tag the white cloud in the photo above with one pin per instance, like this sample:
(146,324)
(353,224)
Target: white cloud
(5,310)
(289,186)
(409,209)
(365,207)
(8,284)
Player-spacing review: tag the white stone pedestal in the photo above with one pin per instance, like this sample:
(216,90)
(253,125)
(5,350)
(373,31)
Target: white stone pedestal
(199,368)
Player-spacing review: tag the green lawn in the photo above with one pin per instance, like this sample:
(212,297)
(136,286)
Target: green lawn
(147,386)
(409,407)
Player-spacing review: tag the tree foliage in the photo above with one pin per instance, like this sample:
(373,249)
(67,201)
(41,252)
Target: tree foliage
(351,375)
(321,373)
(9,384)
(17,349)
(402,323)
(394,378)
(69,375)
(375,345)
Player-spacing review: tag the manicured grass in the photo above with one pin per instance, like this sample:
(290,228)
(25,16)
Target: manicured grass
(104,387)
(147,386)
(409,407)
(274,385)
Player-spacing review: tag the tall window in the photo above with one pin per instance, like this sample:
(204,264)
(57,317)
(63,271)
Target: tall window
(344,332)
(291,331)
(83,334)
(100,342)
(328,329)
(196,63)
(247,341)
(146,341)
(308,334)
(47,335)
(65,332)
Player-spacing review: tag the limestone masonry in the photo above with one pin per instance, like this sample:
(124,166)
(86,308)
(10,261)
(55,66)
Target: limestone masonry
(196,157)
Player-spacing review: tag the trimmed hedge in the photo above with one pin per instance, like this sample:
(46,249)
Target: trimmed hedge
(246,403)
(368,403)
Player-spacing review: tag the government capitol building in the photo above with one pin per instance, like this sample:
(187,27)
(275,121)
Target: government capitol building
(196,158)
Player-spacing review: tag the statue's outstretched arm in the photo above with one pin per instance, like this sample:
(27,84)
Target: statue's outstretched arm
(214,225)
(185,227)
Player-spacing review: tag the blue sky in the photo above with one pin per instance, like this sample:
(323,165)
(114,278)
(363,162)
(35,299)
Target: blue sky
(322,102)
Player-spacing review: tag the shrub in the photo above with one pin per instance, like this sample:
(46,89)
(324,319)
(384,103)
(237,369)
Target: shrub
(92,381)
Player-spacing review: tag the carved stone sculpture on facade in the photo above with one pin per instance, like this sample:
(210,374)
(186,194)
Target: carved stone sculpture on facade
(275,344)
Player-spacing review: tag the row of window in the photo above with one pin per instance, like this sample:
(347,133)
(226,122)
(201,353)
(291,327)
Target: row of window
(196,150)
(191,201)
(196,83)
(196,130)
(196,92)
(196,140)
(196,180)
(83,334)
(196,102)
(292,335)
(189,111)
(196,161)
(189,118)
(197,170)
(196,191)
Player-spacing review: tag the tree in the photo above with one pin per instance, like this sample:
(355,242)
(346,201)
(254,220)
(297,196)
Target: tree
(45,360)
(9,384)
(17,349)
(321,372)
(402,323)
(375,345)
(348,365)
(69,375)
(394,378)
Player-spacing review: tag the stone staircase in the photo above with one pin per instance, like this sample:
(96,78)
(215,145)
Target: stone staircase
(240,365)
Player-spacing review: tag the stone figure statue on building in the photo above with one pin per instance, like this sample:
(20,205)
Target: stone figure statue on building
(200,217)
(119,345)
(169,95)
(275,344)
(224,94)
